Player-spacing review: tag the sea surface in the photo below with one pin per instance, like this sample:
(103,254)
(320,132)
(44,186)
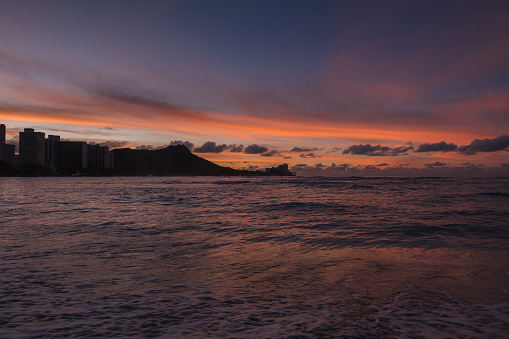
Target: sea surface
(261,257)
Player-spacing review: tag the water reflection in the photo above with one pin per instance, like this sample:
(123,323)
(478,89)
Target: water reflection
(208,257)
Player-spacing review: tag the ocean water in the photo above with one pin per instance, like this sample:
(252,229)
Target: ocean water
(275,257)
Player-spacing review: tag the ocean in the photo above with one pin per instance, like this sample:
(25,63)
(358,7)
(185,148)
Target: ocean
(254,257)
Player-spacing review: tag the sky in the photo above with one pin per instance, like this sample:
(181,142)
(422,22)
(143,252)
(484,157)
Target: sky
(329,87)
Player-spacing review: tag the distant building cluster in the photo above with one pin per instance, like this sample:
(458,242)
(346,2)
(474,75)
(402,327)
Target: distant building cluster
(41,155)
(53,154)
(279,170)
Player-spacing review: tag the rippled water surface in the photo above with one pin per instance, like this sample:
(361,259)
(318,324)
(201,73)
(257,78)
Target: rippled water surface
(254,257)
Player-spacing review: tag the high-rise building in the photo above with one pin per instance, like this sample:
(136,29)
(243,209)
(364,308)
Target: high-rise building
(31,147)
(99,157)
(108,159)
(72,156)
(51,148)
(95,156)
(279,170)
(2,134)
(65,157)
(6,150)
(7,153)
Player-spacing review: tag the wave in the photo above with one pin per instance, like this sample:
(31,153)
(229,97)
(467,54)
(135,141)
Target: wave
(232,182)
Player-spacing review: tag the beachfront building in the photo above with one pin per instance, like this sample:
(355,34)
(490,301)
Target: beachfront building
(6,150)
(7,153)
(72,156)
(99,157)
(2,134)
(51,147)
(31,147)
(281,170)
(57,156)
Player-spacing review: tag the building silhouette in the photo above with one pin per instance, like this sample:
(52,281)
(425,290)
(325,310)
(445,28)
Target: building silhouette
(2,134)
(6,150)
(31,147)
(99,157)
(72,156)
(55,155)
(281,170)
(69,157)
(51,148)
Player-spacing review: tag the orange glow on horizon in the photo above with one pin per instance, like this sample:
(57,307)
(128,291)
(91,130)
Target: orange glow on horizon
(258,130)
(241,127)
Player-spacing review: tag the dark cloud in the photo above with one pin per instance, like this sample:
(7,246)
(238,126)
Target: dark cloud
(125,90)
(96,84)
(371,168)
(107,87)
(402,165)
(98,88)
(377,150)
(255,149)
(303,149)
(211,147)
(382,164)
(436,164)
(270,153)
(321,167)
(365,150)
(114,143)
(441,146)
(76,131)
(236,148)
(340,167)
(23,68)
(149,147)
(487,145)
(473,166)
(308,155)
(401,150)
(188,144)
(300,167)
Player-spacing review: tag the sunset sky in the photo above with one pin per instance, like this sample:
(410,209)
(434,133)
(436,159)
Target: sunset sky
(329,87)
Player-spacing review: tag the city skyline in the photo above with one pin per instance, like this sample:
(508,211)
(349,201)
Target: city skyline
(38,154)
(334,88)
(55,154)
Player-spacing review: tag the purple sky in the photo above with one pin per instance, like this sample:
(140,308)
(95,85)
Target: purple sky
(374,86)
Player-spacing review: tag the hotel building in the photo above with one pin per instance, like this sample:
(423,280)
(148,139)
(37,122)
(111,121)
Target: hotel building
(65,157)
(6,150)
(31,147)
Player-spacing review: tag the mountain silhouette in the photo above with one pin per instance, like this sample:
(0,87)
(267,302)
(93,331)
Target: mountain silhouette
(172,160)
